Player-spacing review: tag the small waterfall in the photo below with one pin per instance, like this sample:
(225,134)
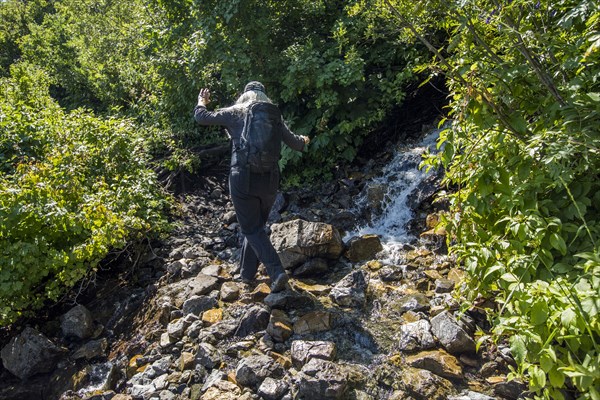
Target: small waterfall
(400,178)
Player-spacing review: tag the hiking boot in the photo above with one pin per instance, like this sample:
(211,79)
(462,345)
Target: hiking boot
(280,283)
(247,281)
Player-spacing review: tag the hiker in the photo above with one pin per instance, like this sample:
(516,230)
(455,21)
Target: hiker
(253,193)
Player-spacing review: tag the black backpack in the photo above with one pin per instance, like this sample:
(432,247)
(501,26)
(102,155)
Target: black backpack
(260,142)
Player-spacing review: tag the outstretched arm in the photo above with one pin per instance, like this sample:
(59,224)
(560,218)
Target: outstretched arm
(296,142)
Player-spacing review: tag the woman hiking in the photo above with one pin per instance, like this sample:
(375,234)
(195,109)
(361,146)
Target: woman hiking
(253,188)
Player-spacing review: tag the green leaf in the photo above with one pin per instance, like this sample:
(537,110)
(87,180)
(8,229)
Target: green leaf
(568,317)
(539,313)
(558,243)
(518,348)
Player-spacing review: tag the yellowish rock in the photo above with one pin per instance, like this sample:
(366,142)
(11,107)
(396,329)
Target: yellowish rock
(212,316)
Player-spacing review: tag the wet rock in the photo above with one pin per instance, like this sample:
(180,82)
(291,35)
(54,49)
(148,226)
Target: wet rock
(208,356)
(415,336)
(363,248)
(450,334)
(91,349)
(271,389)
(253,370)
(312,322)
(30,353)
(470,395)
(230,291)
(280,326)
(255,319)
(391,273)
(313,267)
(203,284)
(375,193)
(350,291)
(303,351)
(437,361)
(416,302)
(77,322)
(298,240)
(287,299)
(320,379)
(424,384)
(198,304)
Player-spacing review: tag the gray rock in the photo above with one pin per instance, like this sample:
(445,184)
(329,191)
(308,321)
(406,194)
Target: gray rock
(470,395)
(413,302)
(255,319)
(230,291)
(77,322)
(444,285)
(350,291)
(198,304)
(510,389)
(176,328)
(212,270)
(320,379)
(312,267)
(298,240)
(253,370)
(287,299)
(91,349)
(30,353)
(203,284)
(221,330)
(208,356)
(271,389)
(363,248)
(144,391)
(303,351)
(415,336)
(213,379)
(391,273)
(448,331)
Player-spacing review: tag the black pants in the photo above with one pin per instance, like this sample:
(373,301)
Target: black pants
(253,196)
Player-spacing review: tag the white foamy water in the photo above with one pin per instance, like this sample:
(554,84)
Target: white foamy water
(401,177)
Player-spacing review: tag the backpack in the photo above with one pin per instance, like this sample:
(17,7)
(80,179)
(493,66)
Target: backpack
(260,142)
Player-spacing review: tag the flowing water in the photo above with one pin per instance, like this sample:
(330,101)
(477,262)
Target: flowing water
(401,177)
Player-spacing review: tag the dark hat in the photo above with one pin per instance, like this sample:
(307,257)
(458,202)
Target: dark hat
(254,86)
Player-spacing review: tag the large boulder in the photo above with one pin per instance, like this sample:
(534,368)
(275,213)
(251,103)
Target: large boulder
(298,240)
(30,353)
(363,248)
(77,322)
(451,335)
(350,291)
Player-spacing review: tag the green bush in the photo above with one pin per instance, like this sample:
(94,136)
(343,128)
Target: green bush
(73,187)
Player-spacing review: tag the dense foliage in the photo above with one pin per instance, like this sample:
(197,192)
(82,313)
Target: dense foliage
(523,156)
(73,186)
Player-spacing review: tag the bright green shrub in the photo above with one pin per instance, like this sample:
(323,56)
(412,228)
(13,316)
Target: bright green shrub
(523,158)
(72,188)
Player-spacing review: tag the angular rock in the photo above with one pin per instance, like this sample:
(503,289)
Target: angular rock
(280,326)
(444,286)
(203,284)
(510,389)
(312,322)
(312,267)
(255,319)
(298,240)
(30,353)
(198,304)
(287,299)
(350,291)
(176,328)
(415,336)
(363,248)
(424,384)
(450,334)
(320,379)
(77,322)
(413,302)
(91,349)
(212,270)
(212,316)
(303,351)
(437,361)
(471,395)
(230,291)
(253,370)
(208,356)
(271,389)
(391,273)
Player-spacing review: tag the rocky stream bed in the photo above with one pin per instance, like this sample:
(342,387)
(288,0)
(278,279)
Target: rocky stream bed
(172,322)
